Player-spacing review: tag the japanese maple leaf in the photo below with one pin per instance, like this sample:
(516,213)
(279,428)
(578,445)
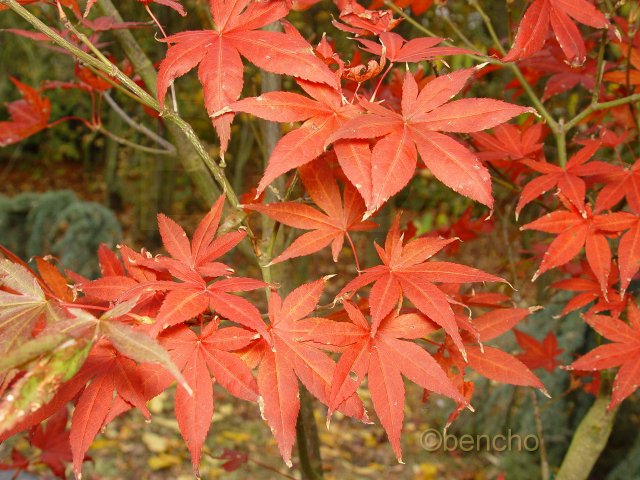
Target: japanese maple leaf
(218,53)
(192,263)
(53,441)
(109,372)
(424,115)
(331,227)
(568,179)
(119,277)
(405,273)
(621,182)
(556,15)
(624,352)
(291,359)
(491,362)
(509,143)
(538,354)
(323,114)
(27,116)
(397,49)
(575,230)
(23,303)
(384,355)
(587,289)
(205,358)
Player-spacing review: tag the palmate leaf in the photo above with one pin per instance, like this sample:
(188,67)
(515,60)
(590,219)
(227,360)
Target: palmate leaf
(424,114)
(382,355)
(20,311)
(288,359)
(623,352)
(558,16)
(218,51)
(323,113)
(205,358)
(405,273)
(342,213)
(576,230)
(27,116)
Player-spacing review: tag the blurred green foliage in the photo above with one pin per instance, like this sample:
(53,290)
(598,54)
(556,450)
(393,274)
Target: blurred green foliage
(58,223)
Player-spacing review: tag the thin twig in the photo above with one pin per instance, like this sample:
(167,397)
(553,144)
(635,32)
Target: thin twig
(136,146)
(600,106)
(164,34)
(544,461)
(138,126)
(515,69)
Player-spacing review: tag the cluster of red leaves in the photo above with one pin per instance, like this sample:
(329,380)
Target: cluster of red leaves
(194,316)
(180,313)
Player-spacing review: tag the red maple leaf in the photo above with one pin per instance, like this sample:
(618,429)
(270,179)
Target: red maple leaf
(203,360)
(323,115)
(27,116)
(586,288)
(624,352)
(544,15)
(53,441)
(566,179)
(621,182)
(331,227)
(109,372)
(218,53)
(510,143)
(384,355)
(576,230)
(290,359)
(398,50)
(405,273)
(563,77)
(538,354)
(192,263)
(424,115)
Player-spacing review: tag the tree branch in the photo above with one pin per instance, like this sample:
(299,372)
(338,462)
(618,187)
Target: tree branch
(138,126)
(588,441)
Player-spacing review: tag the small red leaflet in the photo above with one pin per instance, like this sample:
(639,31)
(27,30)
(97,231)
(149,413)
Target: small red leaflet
(340,217)
(624,352)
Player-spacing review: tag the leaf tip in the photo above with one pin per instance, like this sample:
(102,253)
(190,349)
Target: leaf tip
(326,278)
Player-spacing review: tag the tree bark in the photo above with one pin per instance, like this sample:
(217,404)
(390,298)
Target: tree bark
(588,441)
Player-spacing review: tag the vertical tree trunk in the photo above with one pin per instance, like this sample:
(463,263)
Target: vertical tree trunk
(588,441)
(308,440)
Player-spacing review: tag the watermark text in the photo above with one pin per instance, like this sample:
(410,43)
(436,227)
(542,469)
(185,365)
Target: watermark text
(433,440)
